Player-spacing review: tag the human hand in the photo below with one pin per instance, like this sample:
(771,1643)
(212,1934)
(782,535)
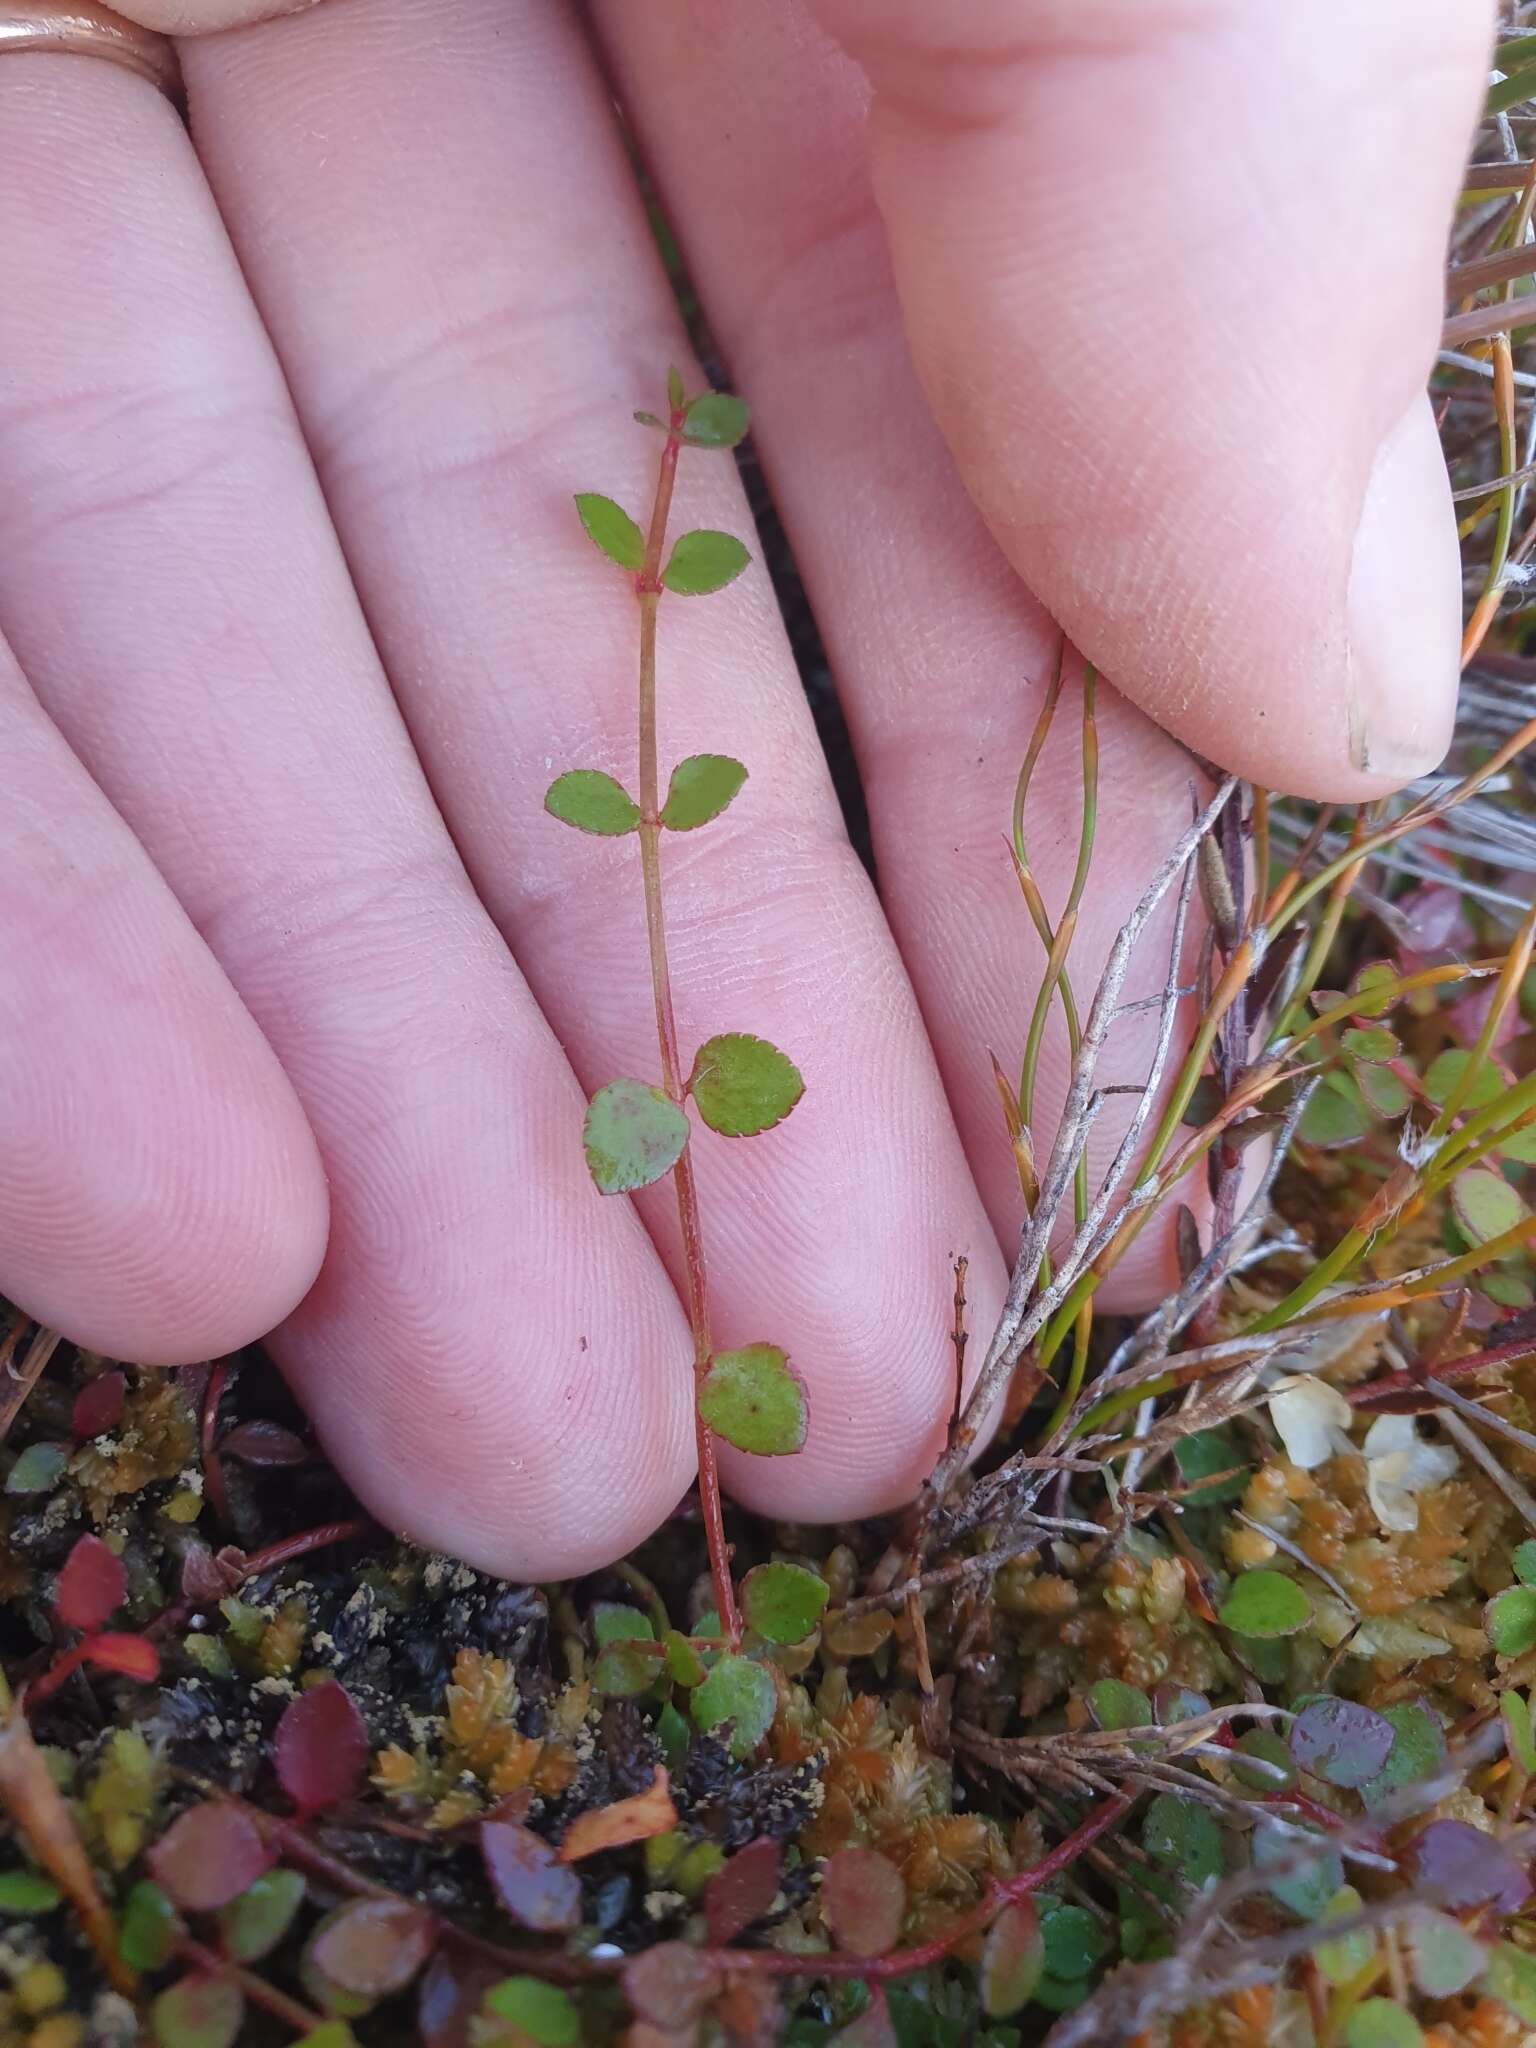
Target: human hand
(1171,279)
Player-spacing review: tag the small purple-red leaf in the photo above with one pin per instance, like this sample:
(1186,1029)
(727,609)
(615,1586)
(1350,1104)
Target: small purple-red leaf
(1461,1866)
(129,1656)
(209,1856)
(533,1886)
(98,1406)
(264,1443)
(1340,1741)
(374,1946)
(321,1747)
(91,1585)
(199,2012)
(208,1575)
(863,1901)
(671,1984)
(742,1890)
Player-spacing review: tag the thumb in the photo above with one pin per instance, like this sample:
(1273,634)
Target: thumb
(1171,271)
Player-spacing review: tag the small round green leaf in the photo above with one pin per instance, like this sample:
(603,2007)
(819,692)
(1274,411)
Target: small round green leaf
(704,561)
(752,1399)
(1381,2023)
(36,1470)
(743,1085)
(1273,1769)
(612,1622)
(1446,1072)
(1523,1559)
(1202,1454)
(1346,1955)
(1336,1114)
(150,1928)
(1371,1042)
(592,802)
(700,789)
(199,2012)
(1510,1619)
(1115,1704)
(1417,1752)
(1446,1959)
(1265,1604)
(1183,1835)
(610,527)
(633,1134)
(256,1922)
(684,1664)
(716,419)
(538,2012)
(1511,1979)
(1515,1710)
(1485,1204)
(623,1671)
(739,1693)
(1303,1870)
(1074,1941)
(25,1891)
(783,1602)
(1012,1959)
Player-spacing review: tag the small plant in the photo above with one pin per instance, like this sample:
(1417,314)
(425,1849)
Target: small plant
(635,1132)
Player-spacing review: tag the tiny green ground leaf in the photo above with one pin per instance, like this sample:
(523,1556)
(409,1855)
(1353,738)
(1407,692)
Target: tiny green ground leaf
(610,527)
(37,1468)
(1182,1835)
(699,790)
(252,1925)
(1346,1955)
(1117,1705)
(1265,1604)
(1371,1042)
(1485,1204)
(1511,1621)
(684,1664)
(623,1672)
(613,1622)
(753,1399)
(704,561)
(1303,1871)
(592,802)
(1417,1752)
(537,2012)
(26,1892)
(1523,1560)
(1204,1453)
(1446,1072)
(1337,1113)
(1515,1711)
(633,1134)
(150,1928)
(783,1602)
(1511,1979)
(1012,1960)
(1074,1942)
(1381,2023)
(743,1084)
(1446,1959)
(1274,1769)
(716,419)
(741,1693)
(199,2012)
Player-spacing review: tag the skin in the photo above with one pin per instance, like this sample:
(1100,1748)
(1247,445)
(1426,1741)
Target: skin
(1120,321)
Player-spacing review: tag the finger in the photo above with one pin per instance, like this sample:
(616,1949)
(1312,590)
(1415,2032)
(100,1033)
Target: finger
(752,127)
(162,1198)
(1172,277)
(462,367)
(497,1363)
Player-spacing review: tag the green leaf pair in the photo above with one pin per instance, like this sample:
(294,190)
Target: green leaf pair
(700,789)
(701,562)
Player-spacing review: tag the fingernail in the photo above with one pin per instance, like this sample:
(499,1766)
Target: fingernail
(1404,608)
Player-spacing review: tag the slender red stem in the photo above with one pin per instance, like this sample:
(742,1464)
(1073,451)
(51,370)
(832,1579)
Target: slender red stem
(1393,1385)
(648,589)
